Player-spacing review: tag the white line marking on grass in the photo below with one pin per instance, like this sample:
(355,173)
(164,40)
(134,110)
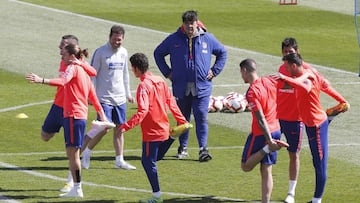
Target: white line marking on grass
(223,85)
(165,34)
(25,105)
(43,175)
(7,200)
(139,150)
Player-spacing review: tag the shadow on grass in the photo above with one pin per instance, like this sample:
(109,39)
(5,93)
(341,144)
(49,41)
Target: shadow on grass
(23,197)
(174,158)
(203,199)
(84,201)
(112,158)
(95,158)
(208,199)
(48,199)
(55,158)
(34,168)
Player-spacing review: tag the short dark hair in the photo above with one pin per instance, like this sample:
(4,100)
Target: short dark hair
(248,64)
(293,58)
(289,42)
(117,29)
(140,61)
(72,39)
(190,16)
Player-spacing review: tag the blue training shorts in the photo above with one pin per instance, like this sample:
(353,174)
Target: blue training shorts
(115,114)
(54,120)
(74,132)
(293,131)
(255,143)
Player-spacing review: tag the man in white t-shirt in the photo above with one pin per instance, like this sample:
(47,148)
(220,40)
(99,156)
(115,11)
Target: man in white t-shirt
(112,87)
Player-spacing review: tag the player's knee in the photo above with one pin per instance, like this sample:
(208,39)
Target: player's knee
(245,168)
(46,136)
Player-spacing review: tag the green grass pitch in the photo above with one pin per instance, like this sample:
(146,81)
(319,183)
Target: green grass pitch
(33,171)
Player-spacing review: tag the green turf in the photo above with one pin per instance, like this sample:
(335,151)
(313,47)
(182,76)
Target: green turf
(234,22)
(221,177)
(325,38)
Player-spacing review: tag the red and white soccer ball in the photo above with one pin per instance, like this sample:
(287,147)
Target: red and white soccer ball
(234,103)
(215,104)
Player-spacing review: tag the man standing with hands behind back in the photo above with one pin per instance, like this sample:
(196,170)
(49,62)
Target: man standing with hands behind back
(191,48)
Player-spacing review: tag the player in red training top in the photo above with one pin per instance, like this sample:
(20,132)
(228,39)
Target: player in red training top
(153,98)
(54,119)
(289,117)
(78,89)
(263,141)
(307,90)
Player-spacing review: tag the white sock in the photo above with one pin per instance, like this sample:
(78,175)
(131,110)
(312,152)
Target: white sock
(70,179)
(266,149)
(91,134)
(157,194)
(77,185)
(316,200)
(87,151)
(119,158)
(292,186)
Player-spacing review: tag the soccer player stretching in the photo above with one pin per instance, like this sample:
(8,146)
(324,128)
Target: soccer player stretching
(263,141)
(308,87)
(290,122)
(153,98)
(78,89)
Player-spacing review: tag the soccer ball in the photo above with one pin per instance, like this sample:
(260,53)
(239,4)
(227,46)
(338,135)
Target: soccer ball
(215,104)
(234,103)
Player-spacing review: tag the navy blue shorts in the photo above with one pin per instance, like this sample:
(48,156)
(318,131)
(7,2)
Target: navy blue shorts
(115,114)
(54,120)
(74,132)
(293,131)
(255,143)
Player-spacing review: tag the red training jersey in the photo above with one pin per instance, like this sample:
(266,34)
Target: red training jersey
(77,90)
(154,99)
(286,97)
(59,95)
(308,99)
(261,95)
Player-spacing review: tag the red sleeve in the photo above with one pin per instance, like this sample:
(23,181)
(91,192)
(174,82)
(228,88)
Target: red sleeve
(329,90)
(142,98)
(305,84)
(91,71)
(252,101)
(325,85)
(69,74)
(93,98)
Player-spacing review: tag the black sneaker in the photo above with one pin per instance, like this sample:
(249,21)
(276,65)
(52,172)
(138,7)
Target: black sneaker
(204,155)
(182,152)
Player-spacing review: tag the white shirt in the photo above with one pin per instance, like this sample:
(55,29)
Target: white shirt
(112,83)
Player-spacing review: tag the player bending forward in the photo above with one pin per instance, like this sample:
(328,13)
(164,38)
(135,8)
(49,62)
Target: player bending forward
(153,97)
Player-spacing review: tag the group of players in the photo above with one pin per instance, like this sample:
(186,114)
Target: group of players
(296,83)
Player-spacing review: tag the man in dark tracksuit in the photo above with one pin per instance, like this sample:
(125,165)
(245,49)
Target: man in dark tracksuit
(191,49)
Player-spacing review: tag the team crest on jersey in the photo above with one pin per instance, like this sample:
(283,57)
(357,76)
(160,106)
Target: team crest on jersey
(66,73)
(204,45)
(142,91)
(204,48)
